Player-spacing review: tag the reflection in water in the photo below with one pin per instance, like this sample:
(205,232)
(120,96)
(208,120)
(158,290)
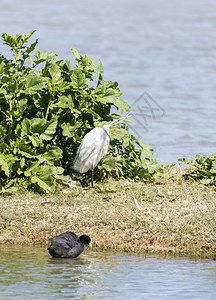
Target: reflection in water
(30,273)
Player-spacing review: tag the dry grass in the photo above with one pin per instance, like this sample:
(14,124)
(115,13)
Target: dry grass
(174,215)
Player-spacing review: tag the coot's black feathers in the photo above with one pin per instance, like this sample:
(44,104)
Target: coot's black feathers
(68,244)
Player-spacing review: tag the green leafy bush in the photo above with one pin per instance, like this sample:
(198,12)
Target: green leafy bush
(205,168)
(46,108)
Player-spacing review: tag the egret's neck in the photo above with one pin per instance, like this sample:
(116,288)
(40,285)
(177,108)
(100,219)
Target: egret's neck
(106,128)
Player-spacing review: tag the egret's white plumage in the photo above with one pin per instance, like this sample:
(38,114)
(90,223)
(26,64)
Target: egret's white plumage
(93,148)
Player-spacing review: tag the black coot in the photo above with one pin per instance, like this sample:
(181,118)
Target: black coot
(68,244)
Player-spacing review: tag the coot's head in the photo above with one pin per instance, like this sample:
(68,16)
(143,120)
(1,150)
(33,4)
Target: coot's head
(85,239)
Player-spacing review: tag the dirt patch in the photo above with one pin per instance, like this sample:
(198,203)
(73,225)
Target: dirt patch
(175,215)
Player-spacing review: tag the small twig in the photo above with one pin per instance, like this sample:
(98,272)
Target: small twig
(85,208)
(119,204)
(136,203)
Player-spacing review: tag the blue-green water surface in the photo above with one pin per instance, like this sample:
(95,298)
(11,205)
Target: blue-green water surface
(30,273)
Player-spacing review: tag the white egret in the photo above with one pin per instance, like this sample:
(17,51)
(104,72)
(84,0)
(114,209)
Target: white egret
(93,148)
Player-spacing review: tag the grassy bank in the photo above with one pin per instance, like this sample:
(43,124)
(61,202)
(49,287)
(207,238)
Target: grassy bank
(175,215)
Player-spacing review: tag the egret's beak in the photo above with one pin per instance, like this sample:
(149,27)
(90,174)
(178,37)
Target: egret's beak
(120,120)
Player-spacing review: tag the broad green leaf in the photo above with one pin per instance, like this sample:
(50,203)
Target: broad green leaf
(52,153)
(118,133)
(37,125)
(2,68)
(33,83)
(26,127)
(17,130)
(33,167)
(109,163)
(55,74)
(62,102)
(106,95)
(45,55)
(49,130)
(36,142)
(6,162)
(27,35)
(44,183)
(121,105)
(89,66)
(126,141)
(22,162)
(29,49)
(69,130)
(8,40)
(4,166)
(77,138)
(21,107)
(75,53)
(57,170)
(78,79)
(63,178)
(155,168)
(45,129)
(146,149)
(30,59)
(67,64)
(92,112)
(101,72)
(26,150)
(2,131)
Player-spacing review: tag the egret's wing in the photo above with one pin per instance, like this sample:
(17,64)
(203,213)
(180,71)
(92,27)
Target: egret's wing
(91,150)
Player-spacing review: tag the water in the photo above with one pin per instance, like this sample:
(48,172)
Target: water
(164,48)
(30,273)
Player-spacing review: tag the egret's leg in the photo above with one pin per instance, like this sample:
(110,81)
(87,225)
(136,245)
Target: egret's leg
(92,170)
